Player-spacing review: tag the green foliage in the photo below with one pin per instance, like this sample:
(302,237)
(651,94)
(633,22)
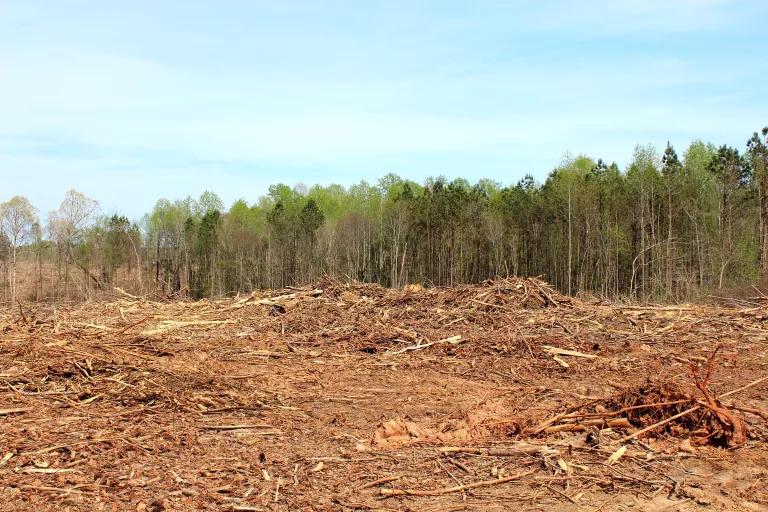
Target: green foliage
(663,227)
(671,165)
(311,218)
(729,168)
(118,233)
(209,202)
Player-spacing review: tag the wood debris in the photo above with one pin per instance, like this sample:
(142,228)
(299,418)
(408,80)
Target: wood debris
(350,396)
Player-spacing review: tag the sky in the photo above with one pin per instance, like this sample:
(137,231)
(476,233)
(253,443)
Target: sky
(132,101)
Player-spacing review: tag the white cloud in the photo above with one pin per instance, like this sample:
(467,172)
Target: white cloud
(126,105)
(92,113)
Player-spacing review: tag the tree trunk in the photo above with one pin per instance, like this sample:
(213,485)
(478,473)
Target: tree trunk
(763,223)
(669,242)
(12,250)
(570,243)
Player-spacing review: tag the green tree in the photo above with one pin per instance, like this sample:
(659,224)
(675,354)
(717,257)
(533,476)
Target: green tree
(311,218)
(731,174)
(670,170)
(207,239)
(757,147)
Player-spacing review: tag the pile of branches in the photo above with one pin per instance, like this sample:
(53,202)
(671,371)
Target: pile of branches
(503,294)
(669,408)
(489,296)
(660,406)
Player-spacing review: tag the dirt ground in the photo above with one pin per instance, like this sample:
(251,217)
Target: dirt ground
(498,396)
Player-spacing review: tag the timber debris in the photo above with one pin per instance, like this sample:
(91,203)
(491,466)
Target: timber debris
(350,396)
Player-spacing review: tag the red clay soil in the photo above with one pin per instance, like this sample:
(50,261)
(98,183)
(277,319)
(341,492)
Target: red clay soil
(353,397)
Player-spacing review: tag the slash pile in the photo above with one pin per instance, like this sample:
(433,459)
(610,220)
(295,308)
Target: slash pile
(349,396)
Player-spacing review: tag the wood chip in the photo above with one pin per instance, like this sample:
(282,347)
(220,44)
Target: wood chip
(17,410)
(564,352)
(615,456)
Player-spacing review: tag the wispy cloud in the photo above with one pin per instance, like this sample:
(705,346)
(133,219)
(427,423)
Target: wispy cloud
(267,92)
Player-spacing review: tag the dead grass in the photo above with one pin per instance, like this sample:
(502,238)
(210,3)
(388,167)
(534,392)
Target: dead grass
(354,397)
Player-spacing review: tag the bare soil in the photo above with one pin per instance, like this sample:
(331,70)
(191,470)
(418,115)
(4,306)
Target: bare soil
(353,397)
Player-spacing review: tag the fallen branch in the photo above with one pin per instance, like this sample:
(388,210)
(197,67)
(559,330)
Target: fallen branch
(565,352)
(132,325)
(48,471)
(542,426)
(452,340)
(751,410)
(742,388)
(51,489)
(235,427)
(17,410)
(276,301)
(659,424)
(125,293)
(457,488)
(379,481)
(505,451)
(583,425)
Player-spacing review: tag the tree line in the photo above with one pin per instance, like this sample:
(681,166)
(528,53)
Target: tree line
(667,226)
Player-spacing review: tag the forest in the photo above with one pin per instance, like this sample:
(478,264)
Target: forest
(670,226)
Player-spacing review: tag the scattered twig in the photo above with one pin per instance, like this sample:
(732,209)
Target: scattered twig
(379,481)
(452,340)
(564,352)
(16,410)
(457,488)
(505,451)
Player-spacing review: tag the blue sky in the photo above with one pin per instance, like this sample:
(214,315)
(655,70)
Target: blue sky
(132,101)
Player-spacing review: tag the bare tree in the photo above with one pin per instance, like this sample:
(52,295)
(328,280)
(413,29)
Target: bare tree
(68,224)
(17,215)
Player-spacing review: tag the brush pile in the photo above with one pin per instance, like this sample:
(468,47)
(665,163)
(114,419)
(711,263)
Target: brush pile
(656,408)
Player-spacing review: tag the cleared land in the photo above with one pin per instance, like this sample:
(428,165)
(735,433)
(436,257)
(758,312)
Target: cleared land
(353,397)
